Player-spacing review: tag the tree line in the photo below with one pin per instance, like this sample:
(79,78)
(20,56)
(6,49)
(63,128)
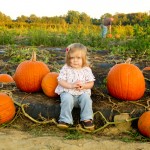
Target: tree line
(75,17)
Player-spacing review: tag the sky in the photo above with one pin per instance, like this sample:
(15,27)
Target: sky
(50,8)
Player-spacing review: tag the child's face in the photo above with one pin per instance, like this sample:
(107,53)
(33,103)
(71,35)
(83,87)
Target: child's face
(76,60)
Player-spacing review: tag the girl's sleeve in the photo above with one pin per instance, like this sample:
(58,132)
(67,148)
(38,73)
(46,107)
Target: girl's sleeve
(89,75)
(62,74)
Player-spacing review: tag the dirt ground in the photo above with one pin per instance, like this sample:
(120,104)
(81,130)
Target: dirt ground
(12,139)
(23,134)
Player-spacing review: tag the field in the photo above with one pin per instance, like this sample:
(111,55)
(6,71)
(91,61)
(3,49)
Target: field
(22,132)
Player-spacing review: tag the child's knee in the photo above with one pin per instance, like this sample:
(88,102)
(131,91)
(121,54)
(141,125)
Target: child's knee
(67,98)
(85,97)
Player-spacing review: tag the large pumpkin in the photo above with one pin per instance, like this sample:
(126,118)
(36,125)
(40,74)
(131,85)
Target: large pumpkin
(49,84)
(126,81)
(7,108)
(6,78)
(29,74)
(144,124)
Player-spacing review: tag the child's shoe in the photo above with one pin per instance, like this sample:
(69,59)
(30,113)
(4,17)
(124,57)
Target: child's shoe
(63,125)
(88,124)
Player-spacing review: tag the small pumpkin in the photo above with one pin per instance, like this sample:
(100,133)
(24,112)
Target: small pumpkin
(7,108)
(144,124)
(125,81)
(49,84)
(29,74)
(109,36)
(6,78)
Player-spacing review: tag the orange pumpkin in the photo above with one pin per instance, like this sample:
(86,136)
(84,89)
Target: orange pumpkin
(7,108)
(144,124)
(6,78)
(29,74)
(125,81)
(49,84)
(109,36)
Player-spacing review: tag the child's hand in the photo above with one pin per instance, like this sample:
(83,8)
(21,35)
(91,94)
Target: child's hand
(76,85)
(80,85)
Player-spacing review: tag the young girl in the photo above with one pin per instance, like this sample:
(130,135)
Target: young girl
(74,87)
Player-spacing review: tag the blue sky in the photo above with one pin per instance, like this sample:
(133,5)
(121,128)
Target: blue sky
(93,8)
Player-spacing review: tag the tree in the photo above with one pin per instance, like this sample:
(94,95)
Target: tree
(73,17)
(95,21)
(4,18)
(33,18)
(84,18)
(22,18)
(106,15)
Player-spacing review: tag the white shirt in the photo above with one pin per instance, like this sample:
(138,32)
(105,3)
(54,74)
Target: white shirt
(72,75)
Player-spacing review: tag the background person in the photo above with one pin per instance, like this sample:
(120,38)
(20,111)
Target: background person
(106,26)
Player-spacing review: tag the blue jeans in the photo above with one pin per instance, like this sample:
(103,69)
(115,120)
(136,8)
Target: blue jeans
(68,102)
(104,31)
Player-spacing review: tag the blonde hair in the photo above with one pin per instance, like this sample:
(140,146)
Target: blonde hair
(77,47)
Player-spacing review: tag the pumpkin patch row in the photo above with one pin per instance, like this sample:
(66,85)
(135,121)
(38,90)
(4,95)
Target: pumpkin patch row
(125,81)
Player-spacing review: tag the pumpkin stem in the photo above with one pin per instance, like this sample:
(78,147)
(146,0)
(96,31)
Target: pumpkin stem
(128,61)
(33,58)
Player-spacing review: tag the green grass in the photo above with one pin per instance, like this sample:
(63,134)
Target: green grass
(134,136)
(73,135)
